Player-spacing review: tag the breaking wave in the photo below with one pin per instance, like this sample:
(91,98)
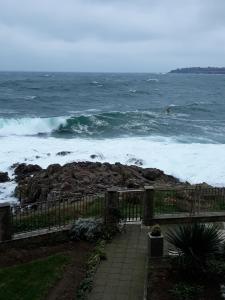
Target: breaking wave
(29,126)
(174,121)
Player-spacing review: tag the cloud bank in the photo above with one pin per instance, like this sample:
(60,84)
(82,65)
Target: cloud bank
(104,35)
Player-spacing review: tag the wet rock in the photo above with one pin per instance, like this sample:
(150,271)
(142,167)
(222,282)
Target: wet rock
(97,156)
(152,173)
(202,185)
(132,184)
(135,161)
(53,169)
(23,170)
(63,153)
(4,177)
(13,166)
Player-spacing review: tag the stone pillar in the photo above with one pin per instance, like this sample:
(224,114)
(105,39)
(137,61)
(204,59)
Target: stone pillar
(5,222)
(112,206)
(148,214)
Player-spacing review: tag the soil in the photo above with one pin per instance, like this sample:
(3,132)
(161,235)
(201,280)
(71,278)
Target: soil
(65,289)
(162,278)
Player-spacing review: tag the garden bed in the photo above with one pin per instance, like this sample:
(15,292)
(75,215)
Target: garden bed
(162,278)
(62,263)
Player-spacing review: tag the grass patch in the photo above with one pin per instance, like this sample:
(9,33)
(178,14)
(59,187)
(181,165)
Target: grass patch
(165,203)
(31,280)
(58,215)
(95,208)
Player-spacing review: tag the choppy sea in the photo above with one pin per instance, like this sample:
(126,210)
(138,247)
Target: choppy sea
(174,122)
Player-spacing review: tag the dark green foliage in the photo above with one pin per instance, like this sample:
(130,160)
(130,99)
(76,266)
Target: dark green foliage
(96,256)
(115,212)
(195,244)
(156,230)
(215,269)
(183,291)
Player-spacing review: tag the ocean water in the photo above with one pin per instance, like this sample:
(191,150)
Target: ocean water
(175,122)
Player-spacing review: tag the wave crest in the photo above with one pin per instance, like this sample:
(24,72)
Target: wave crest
(29,126)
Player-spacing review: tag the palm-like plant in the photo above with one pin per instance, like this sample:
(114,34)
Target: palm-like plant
(195,243)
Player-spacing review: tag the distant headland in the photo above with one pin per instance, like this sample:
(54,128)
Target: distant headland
(198,70)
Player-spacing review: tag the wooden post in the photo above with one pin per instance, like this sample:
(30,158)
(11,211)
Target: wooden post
(5,222)
(148,205)
(112,206)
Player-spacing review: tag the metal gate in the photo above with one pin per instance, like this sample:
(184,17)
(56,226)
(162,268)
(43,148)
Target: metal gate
(131,205)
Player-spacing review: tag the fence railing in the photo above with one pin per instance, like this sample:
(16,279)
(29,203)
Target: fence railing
(193,201)
(55,213)
(151,205)
(155,204)
(131,204)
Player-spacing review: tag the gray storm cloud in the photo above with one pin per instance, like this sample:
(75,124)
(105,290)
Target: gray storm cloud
(95,35)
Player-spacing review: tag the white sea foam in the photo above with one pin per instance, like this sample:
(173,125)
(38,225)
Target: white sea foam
(30,97)
(29,126)
(192,162)
(152,80)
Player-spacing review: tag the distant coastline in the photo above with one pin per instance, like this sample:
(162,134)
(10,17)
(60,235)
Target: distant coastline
(198,70)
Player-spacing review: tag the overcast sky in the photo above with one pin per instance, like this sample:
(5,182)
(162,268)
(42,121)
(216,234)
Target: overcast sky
(111,35)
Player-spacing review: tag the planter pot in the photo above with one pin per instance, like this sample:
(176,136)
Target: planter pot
(155,245)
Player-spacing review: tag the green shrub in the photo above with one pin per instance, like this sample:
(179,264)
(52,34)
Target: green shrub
(183,291)
(215,269)
(195,244)
(96,256)
(156,230)
(88,229)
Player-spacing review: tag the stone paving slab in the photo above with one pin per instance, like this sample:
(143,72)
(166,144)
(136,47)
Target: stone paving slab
(122,275)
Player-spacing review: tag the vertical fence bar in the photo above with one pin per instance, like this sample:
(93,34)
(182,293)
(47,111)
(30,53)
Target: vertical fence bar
(112,204)
(5,222)
(148,205)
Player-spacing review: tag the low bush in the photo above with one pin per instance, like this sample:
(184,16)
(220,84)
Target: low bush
(88,229)
(184,291)
(96,256)
(92,230)
(215,269)
(156,230)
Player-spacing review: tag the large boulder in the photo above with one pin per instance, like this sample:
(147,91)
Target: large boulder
(152,173)
(83,178)
(23,170)
(63,153)
(4,177)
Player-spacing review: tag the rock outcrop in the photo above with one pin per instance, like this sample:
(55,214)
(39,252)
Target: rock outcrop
(4,177)
(23,170)
(37,184)
(63,153)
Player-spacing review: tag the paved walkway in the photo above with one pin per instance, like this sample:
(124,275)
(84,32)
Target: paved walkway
(122,275)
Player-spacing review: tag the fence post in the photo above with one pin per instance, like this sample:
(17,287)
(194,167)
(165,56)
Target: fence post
(5,222)
(148,205)
(112,206)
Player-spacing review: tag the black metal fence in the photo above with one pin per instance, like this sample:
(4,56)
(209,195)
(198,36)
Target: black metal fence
(172,202)
(165,201)
(55,213)
(131,205)
(193,201)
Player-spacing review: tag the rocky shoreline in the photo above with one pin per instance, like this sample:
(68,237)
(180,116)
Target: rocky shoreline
(35,184)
